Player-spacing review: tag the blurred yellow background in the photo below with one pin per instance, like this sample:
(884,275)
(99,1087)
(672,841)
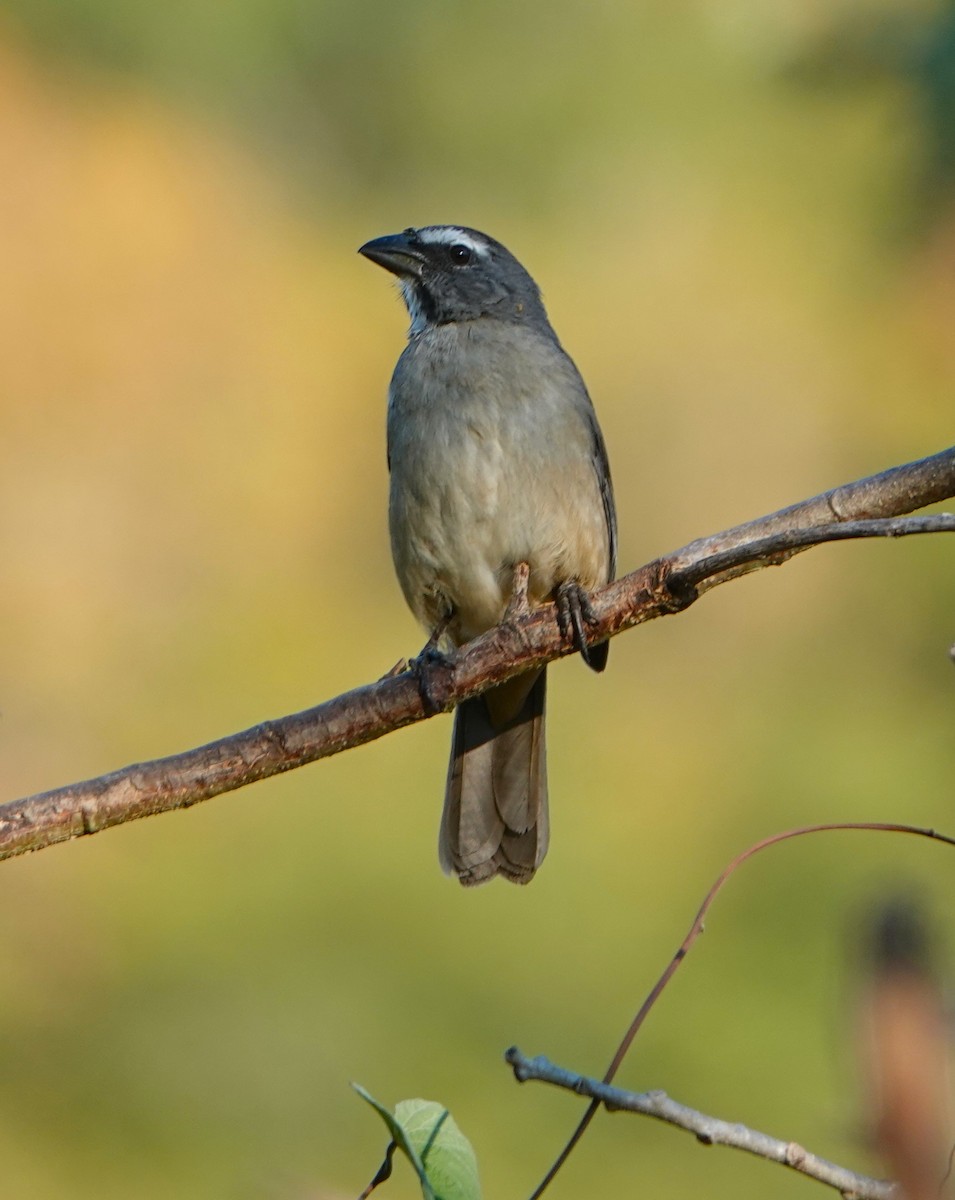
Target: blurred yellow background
(743,222)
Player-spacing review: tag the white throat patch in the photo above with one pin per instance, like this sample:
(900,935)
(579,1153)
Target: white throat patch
(418,319)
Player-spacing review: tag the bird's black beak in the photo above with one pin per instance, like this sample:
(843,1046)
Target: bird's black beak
(398,253)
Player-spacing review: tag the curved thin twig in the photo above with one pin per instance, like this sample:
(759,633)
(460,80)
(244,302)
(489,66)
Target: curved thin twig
(696,928)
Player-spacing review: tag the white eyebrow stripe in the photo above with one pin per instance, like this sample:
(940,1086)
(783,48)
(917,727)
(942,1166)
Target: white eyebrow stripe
(451,235)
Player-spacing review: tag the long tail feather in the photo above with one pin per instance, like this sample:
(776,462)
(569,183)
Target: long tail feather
(495,818)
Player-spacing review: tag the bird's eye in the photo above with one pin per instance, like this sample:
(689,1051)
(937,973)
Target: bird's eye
(460,255)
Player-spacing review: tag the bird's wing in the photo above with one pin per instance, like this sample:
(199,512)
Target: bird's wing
(602,469)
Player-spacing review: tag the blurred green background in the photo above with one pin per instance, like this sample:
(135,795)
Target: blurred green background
(743,219)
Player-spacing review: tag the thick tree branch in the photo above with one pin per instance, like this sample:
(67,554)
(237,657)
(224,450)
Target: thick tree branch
(523,640)
(711,1131)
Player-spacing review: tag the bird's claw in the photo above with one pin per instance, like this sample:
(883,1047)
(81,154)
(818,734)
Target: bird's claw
(574,611)
(423,668)
(518,604)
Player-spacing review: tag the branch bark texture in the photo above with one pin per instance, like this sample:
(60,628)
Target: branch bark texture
(869,507)
(711,1131)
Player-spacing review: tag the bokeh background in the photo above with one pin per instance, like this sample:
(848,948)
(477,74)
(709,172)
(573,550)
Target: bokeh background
(743,219)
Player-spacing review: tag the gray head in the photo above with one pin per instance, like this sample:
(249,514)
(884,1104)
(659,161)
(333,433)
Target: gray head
(449,273)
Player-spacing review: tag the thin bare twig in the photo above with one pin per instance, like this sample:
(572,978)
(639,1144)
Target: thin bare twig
(523,641)
(711,1131)
(696,928)
(781,546)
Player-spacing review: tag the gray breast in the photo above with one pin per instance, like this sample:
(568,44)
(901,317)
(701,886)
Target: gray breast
(495,459)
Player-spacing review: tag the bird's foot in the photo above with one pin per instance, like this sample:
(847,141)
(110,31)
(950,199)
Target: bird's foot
(424,667)
(518,604)
(424,664)
(574,611)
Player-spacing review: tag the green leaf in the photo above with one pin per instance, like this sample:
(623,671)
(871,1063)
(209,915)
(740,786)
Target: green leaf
(437,1149)
(447,1155)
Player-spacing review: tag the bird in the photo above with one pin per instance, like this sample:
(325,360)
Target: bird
(497,466)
